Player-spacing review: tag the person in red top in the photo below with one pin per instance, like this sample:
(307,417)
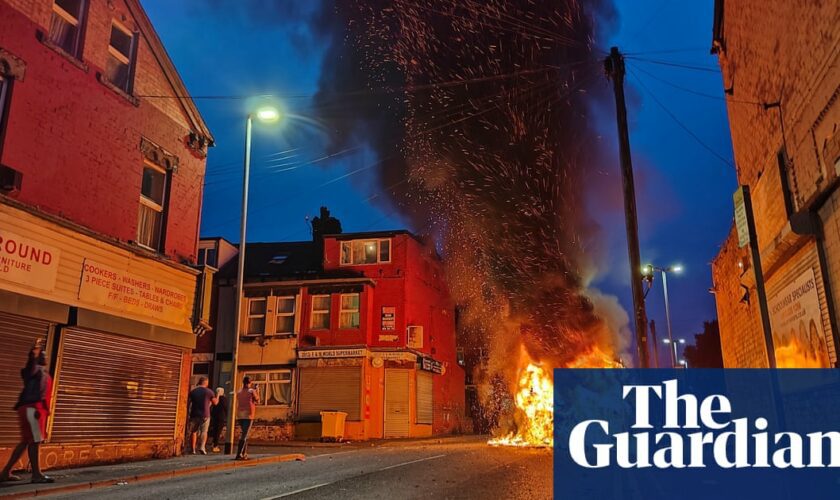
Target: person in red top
(33,407)
(246,408)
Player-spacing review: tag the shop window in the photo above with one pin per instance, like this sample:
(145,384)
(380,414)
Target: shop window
(365,252)
(256,316)
(275,387)
(151,212)
(285,321)
(349,315)
(119,69)
(66,26)
(320,319)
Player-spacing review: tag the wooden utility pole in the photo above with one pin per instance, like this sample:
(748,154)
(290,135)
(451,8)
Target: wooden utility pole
(655,345)
(614,65)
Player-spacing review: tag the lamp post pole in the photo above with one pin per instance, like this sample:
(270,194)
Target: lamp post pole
(240,279)
(668,316)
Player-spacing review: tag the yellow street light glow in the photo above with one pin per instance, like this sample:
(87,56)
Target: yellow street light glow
(268,115)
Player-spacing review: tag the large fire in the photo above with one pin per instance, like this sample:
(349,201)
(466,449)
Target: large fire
(534,399)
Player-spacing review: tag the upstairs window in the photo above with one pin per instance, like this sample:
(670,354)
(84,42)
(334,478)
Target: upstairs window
(285,322)
(365,252)
(207,256)
(5,83)
(256,316)
(320,319)
(66,25)
(349,315)
(151,212)
(119,70)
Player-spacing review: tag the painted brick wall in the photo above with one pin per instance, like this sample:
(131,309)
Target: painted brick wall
(77,141)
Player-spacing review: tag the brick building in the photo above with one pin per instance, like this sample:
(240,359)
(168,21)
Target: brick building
(100,199)
(777,276)
(358,322)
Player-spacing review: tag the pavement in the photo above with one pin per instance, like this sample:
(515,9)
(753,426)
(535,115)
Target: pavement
(452,467)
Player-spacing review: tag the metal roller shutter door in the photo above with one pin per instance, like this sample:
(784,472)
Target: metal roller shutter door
(335,388)
(17,336)
(115,388)
(425,398)
(397,403)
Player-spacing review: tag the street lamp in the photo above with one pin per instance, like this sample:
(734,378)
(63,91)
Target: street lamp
(265,114)
(648,271)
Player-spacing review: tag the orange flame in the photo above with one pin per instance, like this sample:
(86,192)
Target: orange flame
(534,400)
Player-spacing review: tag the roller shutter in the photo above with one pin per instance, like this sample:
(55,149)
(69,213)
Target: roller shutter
(425,399)
(17,336)
(115,388)
(333,388)
(396,403)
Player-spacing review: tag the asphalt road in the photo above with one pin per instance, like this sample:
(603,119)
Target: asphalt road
(451,468)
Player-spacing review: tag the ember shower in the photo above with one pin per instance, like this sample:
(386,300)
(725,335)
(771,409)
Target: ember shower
(478,113)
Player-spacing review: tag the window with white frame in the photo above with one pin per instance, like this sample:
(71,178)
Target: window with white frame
(151,212)
(207,256)
(320,318)
(285,321)
(66,25)
(119,68)
(349,315)
(358,252)
(274,386)
(255,324)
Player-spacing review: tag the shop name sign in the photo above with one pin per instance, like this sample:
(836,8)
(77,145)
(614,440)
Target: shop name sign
(124,291)
(431,365)
(28,262)
(332,353)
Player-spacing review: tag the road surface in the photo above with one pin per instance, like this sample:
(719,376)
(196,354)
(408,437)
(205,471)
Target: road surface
(448,468)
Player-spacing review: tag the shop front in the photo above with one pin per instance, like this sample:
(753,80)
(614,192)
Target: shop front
(385,393)
(116,323)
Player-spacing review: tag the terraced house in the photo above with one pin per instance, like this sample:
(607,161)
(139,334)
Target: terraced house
(100,198)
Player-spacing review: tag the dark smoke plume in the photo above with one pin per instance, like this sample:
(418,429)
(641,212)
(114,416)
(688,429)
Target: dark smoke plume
(478,111)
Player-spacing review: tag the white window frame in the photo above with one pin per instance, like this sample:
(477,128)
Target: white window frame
(72,20)
(248,316)
(262,386)
(152,204)
(327,311)
(279,314)
(378,241)
(119,56)
(342,311)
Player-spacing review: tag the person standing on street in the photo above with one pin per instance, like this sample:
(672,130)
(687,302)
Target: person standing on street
(246,408)
(200,400)
(218,418)
(33,408)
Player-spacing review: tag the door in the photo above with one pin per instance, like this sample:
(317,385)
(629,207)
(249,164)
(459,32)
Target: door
(329,389)
(396,403)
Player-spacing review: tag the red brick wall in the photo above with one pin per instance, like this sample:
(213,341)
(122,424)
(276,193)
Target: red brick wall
(77,141)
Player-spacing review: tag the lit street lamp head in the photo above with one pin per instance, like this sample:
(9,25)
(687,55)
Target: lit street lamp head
(677,268)
(268,114)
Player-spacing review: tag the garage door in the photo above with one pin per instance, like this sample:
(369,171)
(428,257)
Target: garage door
(330,389)
(17,336)
(115,388)
(425,398)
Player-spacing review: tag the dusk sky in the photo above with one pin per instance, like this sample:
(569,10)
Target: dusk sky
(684,190)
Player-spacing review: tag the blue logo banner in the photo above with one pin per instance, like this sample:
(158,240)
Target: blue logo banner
(696,434)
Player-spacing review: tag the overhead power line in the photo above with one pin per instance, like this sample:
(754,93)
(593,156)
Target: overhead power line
(680,123)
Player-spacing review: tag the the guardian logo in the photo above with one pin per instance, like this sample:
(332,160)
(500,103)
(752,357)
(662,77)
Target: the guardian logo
(693,434)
